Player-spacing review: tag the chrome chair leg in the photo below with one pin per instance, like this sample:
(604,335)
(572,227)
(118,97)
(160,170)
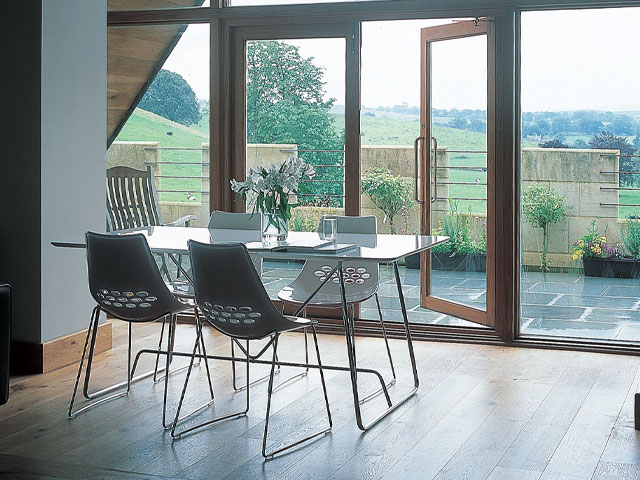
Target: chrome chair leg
(386,341)
(177,434)
(306,357)
(253,382)
(170,344)
(272,453)
(91,336)
(203,352)
(155,370)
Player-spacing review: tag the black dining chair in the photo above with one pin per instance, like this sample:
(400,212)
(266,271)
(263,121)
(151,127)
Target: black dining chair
(125,282)
(231,298)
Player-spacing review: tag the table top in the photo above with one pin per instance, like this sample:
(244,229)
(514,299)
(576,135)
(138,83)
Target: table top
(382,248)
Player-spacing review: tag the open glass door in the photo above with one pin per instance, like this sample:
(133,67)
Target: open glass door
(454,164)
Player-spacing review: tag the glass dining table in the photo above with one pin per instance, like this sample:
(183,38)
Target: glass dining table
(302,246)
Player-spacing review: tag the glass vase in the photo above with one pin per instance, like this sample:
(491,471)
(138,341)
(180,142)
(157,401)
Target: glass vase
(274,228)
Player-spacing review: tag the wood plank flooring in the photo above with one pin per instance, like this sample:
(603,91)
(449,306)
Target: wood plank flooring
(482,412)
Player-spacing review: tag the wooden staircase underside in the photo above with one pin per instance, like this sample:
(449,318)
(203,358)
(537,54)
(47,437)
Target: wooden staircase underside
(134,56)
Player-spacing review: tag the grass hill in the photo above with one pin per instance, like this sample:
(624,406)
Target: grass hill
(147,126)
(376,130)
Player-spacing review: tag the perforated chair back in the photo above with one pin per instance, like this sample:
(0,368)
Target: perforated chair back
(124,278)
(234,221)
(361,277)
(229,292)
(131,198)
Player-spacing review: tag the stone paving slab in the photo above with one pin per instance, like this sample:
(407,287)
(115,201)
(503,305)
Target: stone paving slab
(553,304)
(611,315)
(549,312)
(595,301)
(568,328)
(570,288)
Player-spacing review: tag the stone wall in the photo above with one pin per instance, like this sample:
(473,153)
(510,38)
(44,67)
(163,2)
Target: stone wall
(576,174)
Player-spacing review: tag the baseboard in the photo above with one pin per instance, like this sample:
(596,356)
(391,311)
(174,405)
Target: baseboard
(30,358)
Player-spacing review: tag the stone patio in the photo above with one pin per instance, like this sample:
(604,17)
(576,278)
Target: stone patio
(557,304)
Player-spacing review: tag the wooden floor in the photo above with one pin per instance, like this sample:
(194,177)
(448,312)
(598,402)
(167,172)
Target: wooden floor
(481,412)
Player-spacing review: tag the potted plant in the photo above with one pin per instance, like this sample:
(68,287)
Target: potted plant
(268,190)
(541,207)
(465,251)
(601,259)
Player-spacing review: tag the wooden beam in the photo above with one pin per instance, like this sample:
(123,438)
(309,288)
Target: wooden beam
(352,120)
(350,11)
(507,157)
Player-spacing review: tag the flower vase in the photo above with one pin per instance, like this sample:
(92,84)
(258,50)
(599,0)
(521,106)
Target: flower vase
(274,228)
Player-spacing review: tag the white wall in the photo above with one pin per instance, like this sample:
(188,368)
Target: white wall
(73,127)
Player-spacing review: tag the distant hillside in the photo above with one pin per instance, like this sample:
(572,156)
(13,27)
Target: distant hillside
(149,127)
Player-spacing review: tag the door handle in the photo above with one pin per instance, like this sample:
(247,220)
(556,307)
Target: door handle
(434,195)
(416,153)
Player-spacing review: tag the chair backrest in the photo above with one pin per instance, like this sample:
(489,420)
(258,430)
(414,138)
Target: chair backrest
(354,225)
(131,198)
(124,278)
(361,276)
(234,221)
(229,292)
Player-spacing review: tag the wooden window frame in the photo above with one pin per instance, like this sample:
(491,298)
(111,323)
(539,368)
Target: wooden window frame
(506,15)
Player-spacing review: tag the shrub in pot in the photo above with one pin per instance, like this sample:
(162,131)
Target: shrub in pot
(541,207)
(464,251)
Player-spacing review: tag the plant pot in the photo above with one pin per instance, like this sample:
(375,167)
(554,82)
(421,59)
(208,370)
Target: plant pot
(412,261)
(611,267)
(444,261)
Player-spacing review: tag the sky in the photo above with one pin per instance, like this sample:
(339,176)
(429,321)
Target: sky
(581,59)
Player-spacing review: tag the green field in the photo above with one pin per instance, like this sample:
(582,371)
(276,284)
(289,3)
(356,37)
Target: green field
(388,131)
(148,127)
(145,126)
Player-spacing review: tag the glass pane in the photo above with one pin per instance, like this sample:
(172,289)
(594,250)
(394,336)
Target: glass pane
(390,122)
(580,174)
(295,109)
(169,127)
(459,94)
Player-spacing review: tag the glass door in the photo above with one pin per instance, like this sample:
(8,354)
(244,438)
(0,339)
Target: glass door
(454,168)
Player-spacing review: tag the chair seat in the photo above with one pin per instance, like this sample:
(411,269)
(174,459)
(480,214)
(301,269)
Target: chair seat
(298,296)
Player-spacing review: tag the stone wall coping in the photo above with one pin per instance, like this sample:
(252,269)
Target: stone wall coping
(562,150)
(135,143)
(273,145)
(395,147)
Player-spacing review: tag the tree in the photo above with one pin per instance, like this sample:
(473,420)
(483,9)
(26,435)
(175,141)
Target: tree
(390,193)
(555,143)
(171,97)
(589,125)
(608,141)
(285,104)
(542,206)
(622,125)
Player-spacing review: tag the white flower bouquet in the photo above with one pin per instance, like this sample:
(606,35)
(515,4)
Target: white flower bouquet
(271,188)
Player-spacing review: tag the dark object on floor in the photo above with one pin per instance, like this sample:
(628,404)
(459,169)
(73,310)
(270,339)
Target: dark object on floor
(5,341)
